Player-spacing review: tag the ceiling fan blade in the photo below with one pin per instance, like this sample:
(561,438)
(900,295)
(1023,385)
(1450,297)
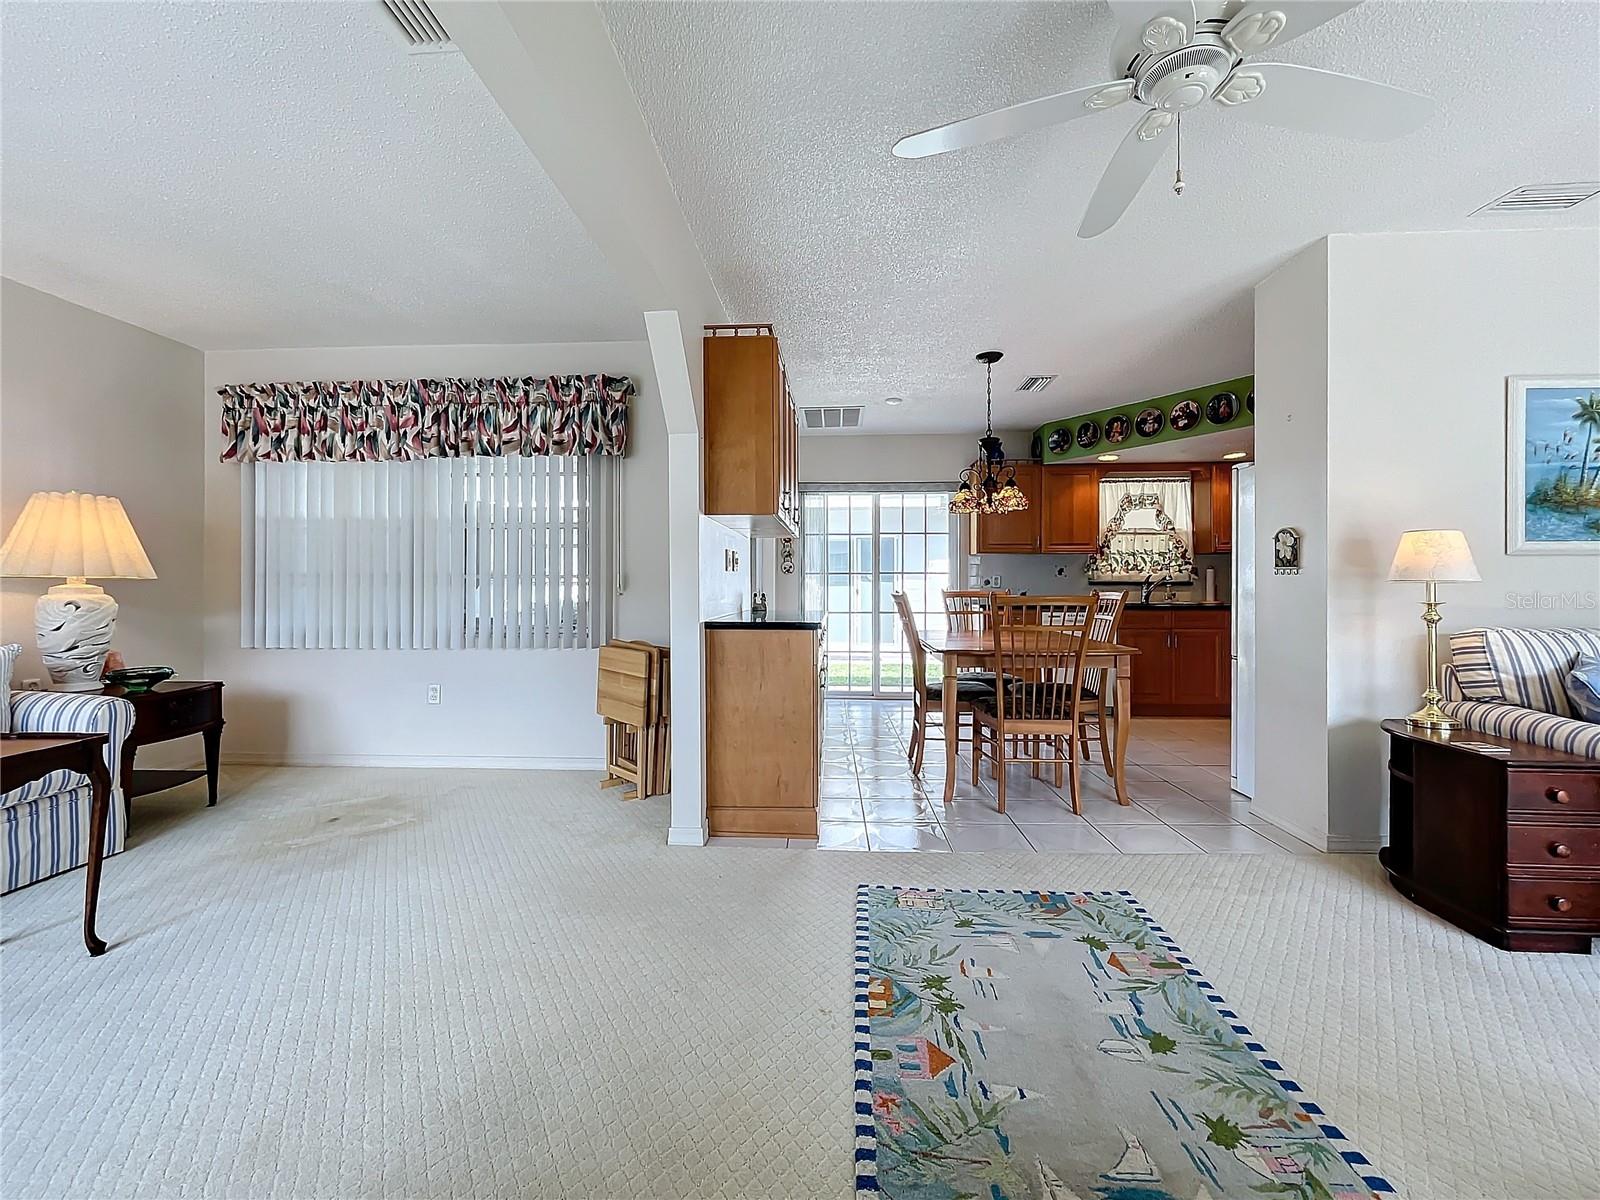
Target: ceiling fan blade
(1134,19)
(1313,101)
(1257,24)
(1125,174)
(1019,118)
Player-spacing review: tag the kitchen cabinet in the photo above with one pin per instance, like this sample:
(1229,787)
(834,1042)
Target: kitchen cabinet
(1017,532)
(1184,668)
(751,445)
(1221,508)
(764,691)
(1069,510)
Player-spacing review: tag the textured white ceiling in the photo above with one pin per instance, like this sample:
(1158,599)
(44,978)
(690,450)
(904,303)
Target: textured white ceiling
(885,276)
(280,174)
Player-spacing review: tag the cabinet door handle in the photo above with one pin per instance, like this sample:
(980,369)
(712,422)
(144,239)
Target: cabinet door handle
(1560,850)
(1560,903)
(1557,795)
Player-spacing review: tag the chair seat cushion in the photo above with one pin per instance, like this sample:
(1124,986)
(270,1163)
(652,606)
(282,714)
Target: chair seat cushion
(967,690)
(1583,688)
(1040,701)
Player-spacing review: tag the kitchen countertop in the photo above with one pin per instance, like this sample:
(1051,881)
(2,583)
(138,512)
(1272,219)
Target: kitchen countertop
(1222,604)
(775,619)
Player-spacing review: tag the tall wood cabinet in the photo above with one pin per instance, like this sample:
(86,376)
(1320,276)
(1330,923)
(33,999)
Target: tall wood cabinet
(752,440)
(764,688)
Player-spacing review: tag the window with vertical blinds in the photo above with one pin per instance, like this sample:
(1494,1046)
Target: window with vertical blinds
(439,553)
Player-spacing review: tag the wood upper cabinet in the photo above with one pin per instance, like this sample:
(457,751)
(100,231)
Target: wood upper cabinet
(1018,532)
(752,442)
(1221,507)
(1069,509)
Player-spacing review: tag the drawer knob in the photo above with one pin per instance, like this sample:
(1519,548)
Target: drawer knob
(1560,850)
(1560,903)
(1558,795)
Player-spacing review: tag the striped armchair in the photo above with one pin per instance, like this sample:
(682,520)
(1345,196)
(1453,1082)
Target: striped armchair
(44,825)
(1509,683)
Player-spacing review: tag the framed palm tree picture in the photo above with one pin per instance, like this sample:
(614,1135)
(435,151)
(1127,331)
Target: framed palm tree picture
(1552,464)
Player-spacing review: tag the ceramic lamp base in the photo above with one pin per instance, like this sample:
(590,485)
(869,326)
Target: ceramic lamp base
(74,621)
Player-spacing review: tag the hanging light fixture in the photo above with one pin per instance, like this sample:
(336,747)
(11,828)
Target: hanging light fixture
(988,485)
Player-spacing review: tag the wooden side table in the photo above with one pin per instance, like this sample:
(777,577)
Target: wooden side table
(174,709)
(1505,846)
(25,757)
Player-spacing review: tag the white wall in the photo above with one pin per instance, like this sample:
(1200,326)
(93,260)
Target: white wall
(92,404)
(1407,426)
(501,707)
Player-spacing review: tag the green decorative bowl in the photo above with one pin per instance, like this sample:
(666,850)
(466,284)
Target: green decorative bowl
(134,680)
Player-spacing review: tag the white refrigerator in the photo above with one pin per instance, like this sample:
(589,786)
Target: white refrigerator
(1244,630)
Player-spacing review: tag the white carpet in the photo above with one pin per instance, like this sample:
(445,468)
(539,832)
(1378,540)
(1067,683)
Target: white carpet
(425,983)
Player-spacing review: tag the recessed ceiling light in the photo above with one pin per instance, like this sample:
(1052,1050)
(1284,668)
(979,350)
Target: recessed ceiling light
(1236,454)
(1108,457)
(894,399)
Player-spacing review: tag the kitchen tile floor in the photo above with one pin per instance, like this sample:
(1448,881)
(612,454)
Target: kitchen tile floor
(1177,779)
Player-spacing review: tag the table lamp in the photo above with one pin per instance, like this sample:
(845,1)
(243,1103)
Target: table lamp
(1432,557)
(76,536)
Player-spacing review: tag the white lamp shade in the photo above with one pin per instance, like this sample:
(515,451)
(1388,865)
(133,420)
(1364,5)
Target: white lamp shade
(1436,555)
(73,535)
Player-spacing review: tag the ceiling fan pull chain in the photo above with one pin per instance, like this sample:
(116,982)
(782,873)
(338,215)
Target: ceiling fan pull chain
(1177,180)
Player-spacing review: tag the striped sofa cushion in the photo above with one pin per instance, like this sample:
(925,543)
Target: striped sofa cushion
(8,666)
(1523,667)
(1526,725)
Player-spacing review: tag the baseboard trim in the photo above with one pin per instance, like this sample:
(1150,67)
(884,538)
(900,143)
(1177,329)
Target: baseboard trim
(1345,844)
(1311,838)
(498,762)
(687,835)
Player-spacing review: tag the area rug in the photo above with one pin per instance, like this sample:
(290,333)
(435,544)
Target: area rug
(1059,1046)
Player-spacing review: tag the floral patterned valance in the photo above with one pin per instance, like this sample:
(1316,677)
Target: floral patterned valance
(382,419)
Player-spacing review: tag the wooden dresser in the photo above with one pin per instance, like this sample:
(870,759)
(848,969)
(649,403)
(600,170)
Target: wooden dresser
(1506,846)
(764,685)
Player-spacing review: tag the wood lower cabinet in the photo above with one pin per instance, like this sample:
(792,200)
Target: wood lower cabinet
(763,729)
(752,442)
(1185,666)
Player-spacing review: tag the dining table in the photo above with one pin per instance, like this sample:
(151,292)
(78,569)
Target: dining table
(976,648)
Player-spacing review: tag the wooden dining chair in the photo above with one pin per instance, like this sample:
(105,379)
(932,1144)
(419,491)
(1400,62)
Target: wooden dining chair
(927,696)
(1106,625)
(966,610)
(1040,646)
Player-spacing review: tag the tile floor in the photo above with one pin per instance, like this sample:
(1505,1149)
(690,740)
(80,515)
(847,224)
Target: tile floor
(1177,779)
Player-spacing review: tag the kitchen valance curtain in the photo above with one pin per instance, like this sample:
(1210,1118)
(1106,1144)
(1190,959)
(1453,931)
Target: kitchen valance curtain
(407,419)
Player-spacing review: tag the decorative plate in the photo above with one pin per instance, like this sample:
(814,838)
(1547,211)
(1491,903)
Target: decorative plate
(1149,422)
(135,680)
(1250,402)
(1118,428)
(1185,415)
(1060,440)
(1088,434)
(1222,408)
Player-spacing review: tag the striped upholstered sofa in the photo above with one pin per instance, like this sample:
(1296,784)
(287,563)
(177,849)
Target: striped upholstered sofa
(44,825)
(1508,682)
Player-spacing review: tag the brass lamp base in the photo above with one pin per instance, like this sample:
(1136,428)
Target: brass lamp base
(1431,716)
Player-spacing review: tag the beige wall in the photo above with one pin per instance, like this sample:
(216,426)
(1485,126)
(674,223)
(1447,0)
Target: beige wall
(1404,427)
(517,708)
(92,404)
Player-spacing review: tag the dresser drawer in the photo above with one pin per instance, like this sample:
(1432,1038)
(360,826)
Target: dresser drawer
(1553,845)
(161,715)
(1553,793)
(1553,899)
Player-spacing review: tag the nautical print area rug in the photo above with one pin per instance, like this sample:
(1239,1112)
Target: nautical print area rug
(1059,1046)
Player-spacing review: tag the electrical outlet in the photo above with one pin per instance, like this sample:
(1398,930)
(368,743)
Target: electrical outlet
(32,685)
(435,693)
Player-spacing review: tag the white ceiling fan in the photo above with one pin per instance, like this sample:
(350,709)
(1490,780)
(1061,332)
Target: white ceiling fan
(1171,56)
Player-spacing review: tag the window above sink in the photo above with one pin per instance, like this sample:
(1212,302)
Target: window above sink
(1146,529)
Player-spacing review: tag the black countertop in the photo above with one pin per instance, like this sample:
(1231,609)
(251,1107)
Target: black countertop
(1222,604)
(775,619)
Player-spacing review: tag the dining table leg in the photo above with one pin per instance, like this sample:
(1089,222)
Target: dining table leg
(952,727)
(1124,720)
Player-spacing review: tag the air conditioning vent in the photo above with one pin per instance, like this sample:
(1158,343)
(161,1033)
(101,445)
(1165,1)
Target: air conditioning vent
(840,417)
(1036,383)
(418,26)
(1542,197)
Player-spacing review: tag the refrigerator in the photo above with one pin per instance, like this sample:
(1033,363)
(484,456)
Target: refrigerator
(1243,756)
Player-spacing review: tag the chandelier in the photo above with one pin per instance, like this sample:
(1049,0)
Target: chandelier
(989,485)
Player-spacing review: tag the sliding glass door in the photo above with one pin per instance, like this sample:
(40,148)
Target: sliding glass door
(862,546)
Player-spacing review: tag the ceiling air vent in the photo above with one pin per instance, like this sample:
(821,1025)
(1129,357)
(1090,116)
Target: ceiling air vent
(418,27)
(1036,383)
(847,417)
(1542,197)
